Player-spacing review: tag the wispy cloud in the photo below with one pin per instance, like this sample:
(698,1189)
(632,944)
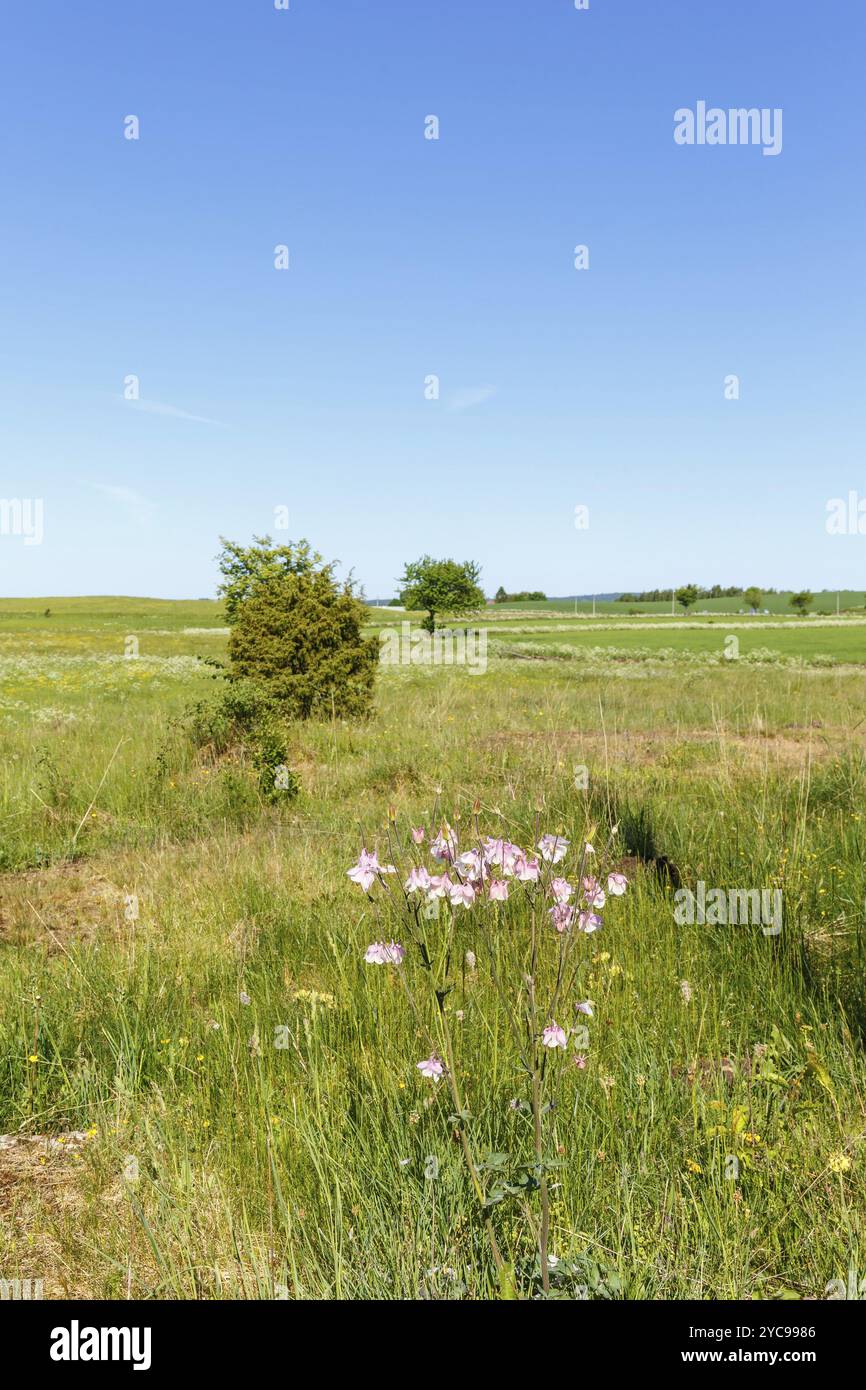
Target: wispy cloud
(468,396)
(125,496)
(173,411)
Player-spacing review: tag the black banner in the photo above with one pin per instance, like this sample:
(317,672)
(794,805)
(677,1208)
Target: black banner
(63,1339)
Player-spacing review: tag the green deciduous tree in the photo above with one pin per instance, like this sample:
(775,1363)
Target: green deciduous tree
(441,586)
(688,595)
(802,601)
(753,598)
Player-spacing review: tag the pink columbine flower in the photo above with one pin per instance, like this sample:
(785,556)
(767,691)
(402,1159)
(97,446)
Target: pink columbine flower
(461,895)
(431,1067)
(510,855)
(561,890)
(526,870)
(494,850)
(418,833)
(418,878)
(617,884)
(562,916)
(586,1008)
(498,890)
(503,854)
(444,847)
(384,953)
(554,1036)
(439,886)
(589,922)
(553,848)
(471,861)
(580,1061)
(367,869)
(593,892)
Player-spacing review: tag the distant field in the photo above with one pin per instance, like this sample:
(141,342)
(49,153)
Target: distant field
(826,639)
(106,614)
(845,642)
(824,602)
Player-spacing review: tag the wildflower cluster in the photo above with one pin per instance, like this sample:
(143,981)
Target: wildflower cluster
(529,916)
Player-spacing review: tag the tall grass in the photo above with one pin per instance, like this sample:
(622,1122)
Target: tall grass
(257,1125)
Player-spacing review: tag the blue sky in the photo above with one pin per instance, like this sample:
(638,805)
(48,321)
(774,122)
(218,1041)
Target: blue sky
(411,257)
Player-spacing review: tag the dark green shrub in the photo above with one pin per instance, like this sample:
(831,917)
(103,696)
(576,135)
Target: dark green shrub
(223,722)
(296,637)
(277,782)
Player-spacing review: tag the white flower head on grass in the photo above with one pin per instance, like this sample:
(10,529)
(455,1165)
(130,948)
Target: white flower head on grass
(444,847)
(471,861)
(561,915)
(552,848)
(432,1067)
(384,953)
(593,892)
(587,1007)
(616,884)
(554,1036)
(368,869)
(461,895)
(419,878)
(525,870)
(561,890)
(498,851)
(438,886)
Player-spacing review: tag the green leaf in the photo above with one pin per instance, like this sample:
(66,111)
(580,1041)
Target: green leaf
(507,1282)
(493,1161)
(820,1072)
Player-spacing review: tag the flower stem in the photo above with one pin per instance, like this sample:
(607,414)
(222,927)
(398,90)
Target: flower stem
(464,1138)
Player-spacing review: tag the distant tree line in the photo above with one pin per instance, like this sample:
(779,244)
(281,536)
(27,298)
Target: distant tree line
(689,594)
(525,596)
(660,595)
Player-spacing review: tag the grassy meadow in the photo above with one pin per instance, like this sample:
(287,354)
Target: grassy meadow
(206,1093)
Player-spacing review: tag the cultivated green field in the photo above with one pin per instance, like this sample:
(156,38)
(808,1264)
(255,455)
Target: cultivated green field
(206,1093)
(827,601)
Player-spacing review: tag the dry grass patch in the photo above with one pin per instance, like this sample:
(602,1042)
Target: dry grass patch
(69,901)
(41,1198)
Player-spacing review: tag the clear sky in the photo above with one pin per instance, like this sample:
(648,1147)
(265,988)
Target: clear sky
(409,257)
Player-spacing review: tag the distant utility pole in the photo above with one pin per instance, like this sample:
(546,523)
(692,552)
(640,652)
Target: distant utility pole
(837,604)
(672,602)
(593,605)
